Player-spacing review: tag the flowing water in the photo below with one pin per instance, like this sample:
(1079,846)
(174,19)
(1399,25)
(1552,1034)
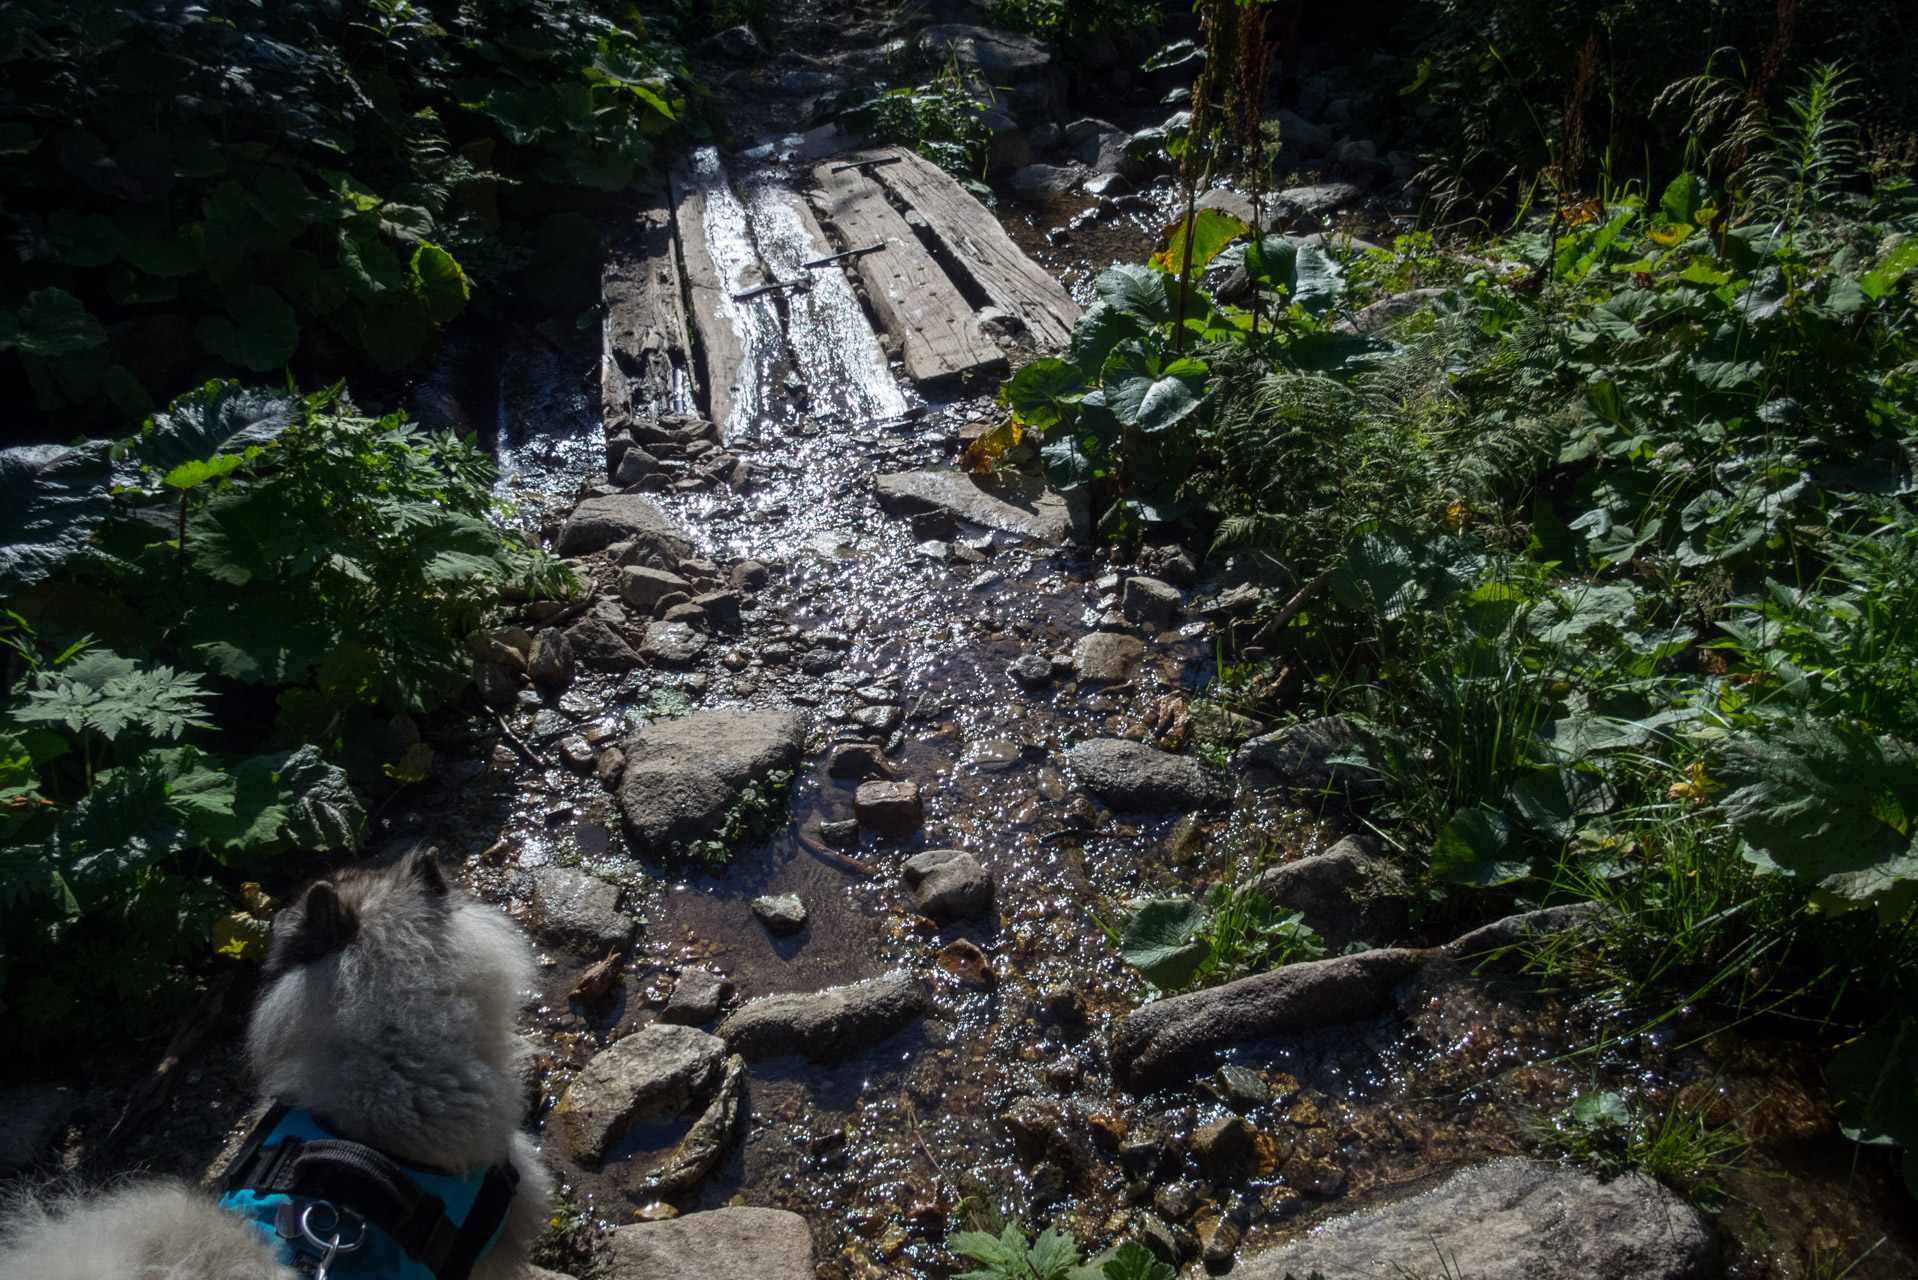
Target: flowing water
(887,1152)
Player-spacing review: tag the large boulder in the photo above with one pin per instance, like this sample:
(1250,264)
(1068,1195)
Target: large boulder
(1169,1040)
(598,523)
(1512,1219)
(1019,68)
(1344,894)
(683,774)
(1131,775)
(1100,147)
(824,1025)
(1010,502)
(720,1244)
(658,1070)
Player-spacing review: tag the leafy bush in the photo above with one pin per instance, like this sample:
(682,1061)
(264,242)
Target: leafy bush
(206,621)
(1176,943)
(1605,1131)
(1067,21)
(939,119)
(230,186)
(1054,1255)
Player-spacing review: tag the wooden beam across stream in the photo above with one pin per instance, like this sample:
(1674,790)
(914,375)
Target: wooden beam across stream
(976,241)
(645,348)
(911,293)
(721,350)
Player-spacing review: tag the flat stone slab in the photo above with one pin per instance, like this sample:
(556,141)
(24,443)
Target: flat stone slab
(1107,657)
(1008,501)
(1131,775)
(720,1244)
(658,1070)
(579,911)
(824,1025)
(683,774)
(1512,1219)
(598,523)
(1170,1040)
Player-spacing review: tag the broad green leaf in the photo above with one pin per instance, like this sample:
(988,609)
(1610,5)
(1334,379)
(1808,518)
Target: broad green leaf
(1043,392)
(268,639)
(1133,1261)
(1103,327)
(124,823)
(1148,295)
(1578,609)
(1146,391)
(107,695)
(52,498)
(1683,198)
(1467,848)
(189,474)
(1158,941)
(1338,353)
(261,335)
(1551,800)
(1576,738)
(1874,1087)
(1601,1108)
(1882,279)
(394,331)
(52,323)
(283,801)
(1272,261)
(1068,466)
(442,286)
(1211,231)
(220,418)
(1317,283)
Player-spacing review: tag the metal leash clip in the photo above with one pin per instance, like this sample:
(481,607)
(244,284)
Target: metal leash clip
(334,1246)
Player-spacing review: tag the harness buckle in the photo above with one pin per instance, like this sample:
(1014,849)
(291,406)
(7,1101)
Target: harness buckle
(335,1244)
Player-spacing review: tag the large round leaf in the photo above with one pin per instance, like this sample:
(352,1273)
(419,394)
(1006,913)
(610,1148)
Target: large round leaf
(1149,393)
(51,499)
(219,418)
(261,335)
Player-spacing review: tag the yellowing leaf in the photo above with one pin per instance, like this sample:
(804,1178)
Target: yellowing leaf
(414,766)
(239,935)
(984,453)
(1212,231)
(1668,234)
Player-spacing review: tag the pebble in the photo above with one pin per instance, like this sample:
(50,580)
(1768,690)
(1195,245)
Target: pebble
(578,753)
(857,762)
(696,997)
(841,835)
(1063,1004)
(966,962)
(1030,670)
(672,642)
(782,914)
(892,808)
(819,662)
(880,719)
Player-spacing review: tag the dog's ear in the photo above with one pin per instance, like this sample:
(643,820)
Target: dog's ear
(422,867)
(317,927)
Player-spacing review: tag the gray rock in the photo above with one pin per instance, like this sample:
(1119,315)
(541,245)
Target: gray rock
(1360,158)
(891,808)
(1099,146)
(1235,203)
(782,914)
(1170,1040)
(696,997)
(576,910)
(1150,601)
(599,647)
(634,465)
(1296,131)
(552,662)
(690,614)
(721,607)
(643,587)
(1018,67)
(683,774)
(658,1070)
(1052,178)
(748,575)
(1030,670)
(1220,1145)
(1512,1219)
(1300,757)
(1131,775)
(31,1119)
(879,720)
(1345,894)
(825,1025)
(1315,201)
(1379,316)
(495,683)
(949,884)
(840,835)
(674,643)
(1573,916)
(719,1244)
(597,523)
(1107,657)
(740,42)
(857,762)
(1008,148)
(705,1145)
(1007,501)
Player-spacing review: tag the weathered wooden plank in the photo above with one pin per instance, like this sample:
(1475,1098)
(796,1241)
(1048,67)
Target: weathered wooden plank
(913,297)
(722,352)
(644,351)
(977,242)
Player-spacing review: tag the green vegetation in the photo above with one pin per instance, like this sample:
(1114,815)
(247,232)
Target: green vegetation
(1065,21)
(198,189)
(1616,543)
(1054,1255)
(1604,1131)
(209,624)
(1176,943)
(940,119)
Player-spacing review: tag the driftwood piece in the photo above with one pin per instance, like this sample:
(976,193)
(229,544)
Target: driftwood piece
(645,348)
(912,295)
(722,352)
(980,246)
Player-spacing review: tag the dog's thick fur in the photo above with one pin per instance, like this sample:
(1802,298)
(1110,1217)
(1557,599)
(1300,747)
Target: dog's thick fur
(387,1011)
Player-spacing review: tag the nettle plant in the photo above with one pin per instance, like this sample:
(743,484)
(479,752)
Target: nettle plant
(208,624)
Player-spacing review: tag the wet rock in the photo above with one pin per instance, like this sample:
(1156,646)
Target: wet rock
(1065,1075)
(841,835)
(1177,1201)
(879,720)
(1019,67)
(748,575)
(634,465)
(690,614)
(595,987)
(552,661)
(722,607)
(934,526)
(1030,670)
(673,643)
(825,1025)
(658,1070)
(1344,893)
(1007,148)
(1100,146)
(1048,1183)
(858,762)
(1157,1237)
(1360,158)
(600,648)
(696,998)
(682,774)
(1296,131)
(818,662)
(1300,757)
(1240,1088)
(966,962)
(1107,657)
(1172,564)
(578,754)
(508,646)
(1527,924)
(1221,1145)
(1512,1219)
(668,602)
(642,587)
(782,914)
(597,523)
(740,42)
(1314,201)
(1131,775)
(1053,179)
(31,1119)
(610,764)
(1063,1004)
(1008,501)
(1054,1129)
(705,1145)
(1220,1241)
(949,884)
(719,1244)
(1168,1040)
(892,808)
(573,909)
(1151,602)
(495,683)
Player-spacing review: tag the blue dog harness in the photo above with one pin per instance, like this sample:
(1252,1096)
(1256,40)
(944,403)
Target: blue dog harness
(334,1208)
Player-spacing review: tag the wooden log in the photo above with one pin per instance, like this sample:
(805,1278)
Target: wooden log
(978,244)
(910,292)
(722,352)
(644,349)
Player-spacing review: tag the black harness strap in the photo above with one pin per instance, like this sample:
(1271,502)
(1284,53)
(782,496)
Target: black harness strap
(377,1188)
